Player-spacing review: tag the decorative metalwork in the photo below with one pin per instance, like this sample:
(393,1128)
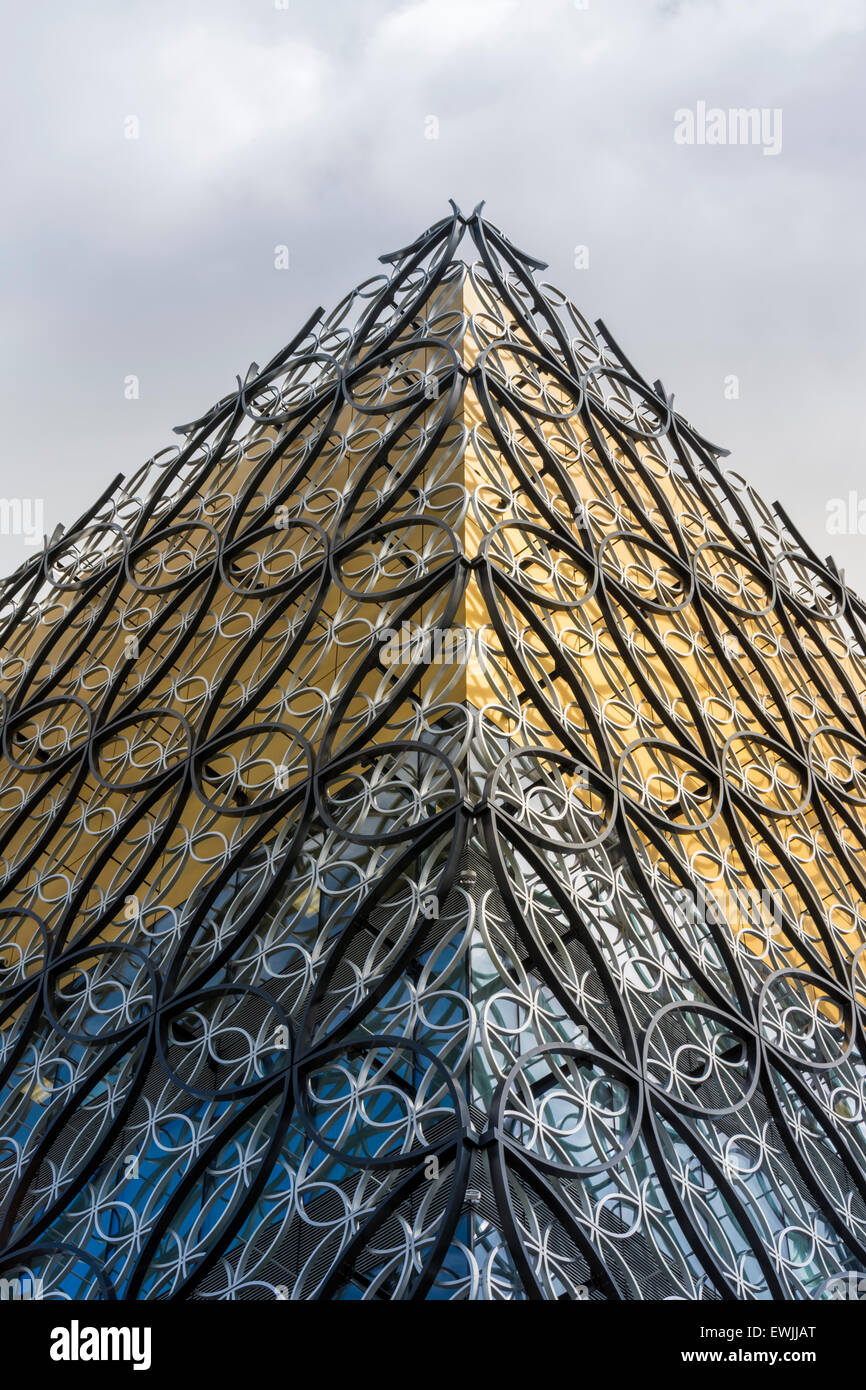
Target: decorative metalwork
(432,838)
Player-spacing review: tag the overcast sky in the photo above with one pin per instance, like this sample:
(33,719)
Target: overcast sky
(305,123)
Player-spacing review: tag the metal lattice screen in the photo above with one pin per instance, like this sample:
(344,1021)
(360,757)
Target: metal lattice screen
(432,838)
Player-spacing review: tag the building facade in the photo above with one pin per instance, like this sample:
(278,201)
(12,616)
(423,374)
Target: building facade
(433,838)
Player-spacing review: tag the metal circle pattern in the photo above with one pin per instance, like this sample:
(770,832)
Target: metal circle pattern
(432,838)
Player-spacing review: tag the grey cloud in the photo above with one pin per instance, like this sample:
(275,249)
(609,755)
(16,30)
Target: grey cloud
(305,126)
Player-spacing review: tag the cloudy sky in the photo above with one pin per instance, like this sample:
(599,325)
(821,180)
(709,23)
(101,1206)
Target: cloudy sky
(303,123)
